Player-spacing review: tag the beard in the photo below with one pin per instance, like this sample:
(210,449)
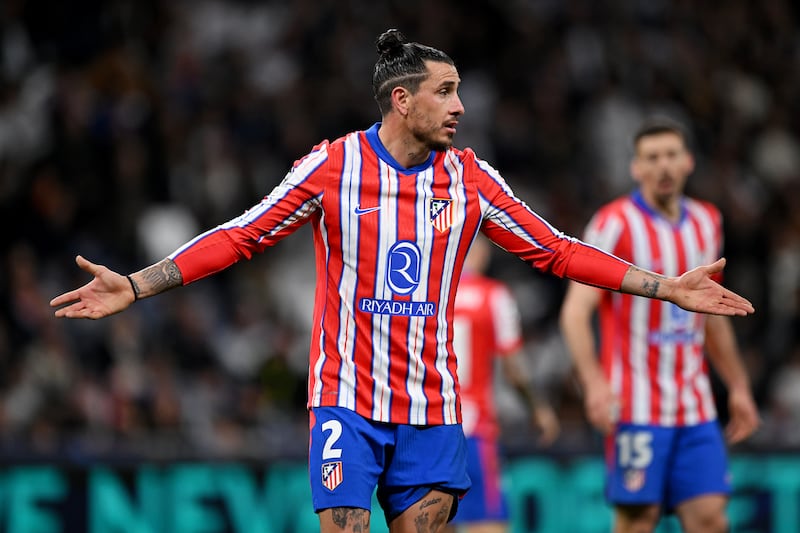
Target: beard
(431,138)
(433,144)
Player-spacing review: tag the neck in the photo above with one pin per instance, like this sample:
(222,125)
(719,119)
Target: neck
(669,207)
(403,147)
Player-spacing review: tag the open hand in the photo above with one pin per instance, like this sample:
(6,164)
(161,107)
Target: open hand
(696,291)
(108,293)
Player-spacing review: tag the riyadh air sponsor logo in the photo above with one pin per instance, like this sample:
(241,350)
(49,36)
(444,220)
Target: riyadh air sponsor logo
(332,475)
(403,265)
(441,213)
(675,337)
(363,211)
(396,307)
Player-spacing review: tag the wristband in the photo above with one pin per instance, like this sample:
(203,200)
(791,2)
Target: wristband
(133,288)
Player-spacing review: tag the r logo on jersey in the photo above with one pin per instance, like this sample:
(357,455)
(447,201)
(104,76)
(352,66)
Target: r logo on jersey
(441,213)
(403,267)
(332,475)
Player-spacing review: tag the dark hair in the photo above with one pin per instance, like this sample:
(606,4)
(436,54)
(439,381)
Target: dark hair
(400,63)
(656,125)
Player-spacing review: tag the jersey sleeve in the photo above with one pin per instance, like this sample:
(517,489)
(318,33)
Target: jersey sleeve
(514,226)
(290,205)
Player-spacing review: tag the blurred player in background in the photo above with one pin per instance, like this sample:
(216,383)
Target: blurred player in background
(652,395)
(487,329)
(394,210)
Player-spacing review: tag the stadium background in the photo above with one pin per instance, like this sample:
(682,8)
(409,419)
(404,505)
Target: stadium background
(128,126)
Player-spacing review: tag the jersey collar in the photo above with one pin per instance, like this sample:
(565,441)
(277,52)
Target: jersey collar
(383,153)
(638,199)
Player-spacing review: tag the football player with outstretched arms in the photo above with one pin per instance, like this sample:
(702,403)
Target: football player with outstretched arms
(394,210)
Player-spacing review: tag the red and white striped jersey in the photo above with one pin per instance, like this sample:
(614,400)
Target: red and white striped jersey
(652,350)
(390,243)
(486,325)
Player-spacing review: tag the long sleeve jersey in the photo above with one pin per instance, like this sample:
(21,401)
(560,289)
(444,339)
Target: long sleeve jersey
(390,244)
(651,350)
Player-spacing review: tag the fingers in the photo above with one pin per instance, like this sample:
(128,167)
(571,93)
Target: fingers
(65,312)
(74,296)
(740,302)
(737,432)
(65,298)
(603,420)
(717,266)
(741,427)
(87,265)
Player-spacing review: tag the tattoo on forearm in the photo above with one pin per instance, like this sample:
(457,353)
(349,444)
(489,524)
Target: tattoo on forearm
(650,288)
(350,519)
(160,277)
(651,283)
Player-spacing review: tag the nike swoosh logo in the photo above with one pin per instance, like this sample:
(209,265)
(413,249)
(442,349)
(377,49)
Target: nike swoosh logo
(358,211)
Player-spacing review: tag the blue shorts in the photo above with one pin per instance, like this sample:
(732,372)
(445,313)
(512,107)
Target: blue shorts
(485,501)
(349,456)
(665,465)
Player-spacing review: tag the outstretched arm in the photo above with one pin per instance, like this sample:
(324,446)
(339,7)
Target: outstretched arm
(110,292)
(693,291)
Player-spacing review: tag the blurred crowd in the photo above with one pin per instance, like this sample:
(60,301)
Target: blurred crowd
(127,127)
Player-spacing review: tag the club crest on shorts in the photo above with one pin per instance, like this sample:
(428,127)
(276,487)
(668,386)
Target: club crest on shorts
(332,475)
(441,213)
(634,480)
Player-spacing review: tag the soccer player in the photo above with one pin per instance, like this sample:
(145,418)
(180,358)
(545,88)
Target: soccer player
(393,209)
(487,328)
(652,396)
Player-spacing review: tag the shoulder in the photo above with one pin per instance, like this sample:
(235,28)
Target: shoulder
(465,156)
(613,210)
(696,205)
(327,151)
(476,170)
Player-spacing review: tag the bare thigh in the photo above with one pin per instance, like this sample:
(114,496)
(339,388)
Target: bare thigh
(428,515)
(704,514)
(636,518)
(344,519)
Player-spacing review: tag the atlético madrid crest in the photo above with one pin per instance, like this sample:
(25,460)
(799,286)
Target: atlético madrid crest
(634,480)
(332,475)
(441,213)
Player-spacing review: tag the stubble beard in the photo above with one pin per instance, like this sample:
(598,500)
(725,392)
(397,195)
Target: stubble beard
(426,138)
(429,136)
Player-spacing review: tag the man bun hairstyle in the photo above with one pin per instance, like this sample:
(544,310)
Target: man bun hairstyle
(400,63)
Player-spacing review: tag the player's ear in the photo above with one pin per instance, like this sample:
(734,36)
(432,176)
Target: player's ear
(634,170)
(400,100)
(689,162)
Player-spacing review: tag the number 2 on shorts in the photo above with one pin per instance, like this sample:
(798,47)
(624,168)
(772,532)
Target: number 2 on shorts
(328,451)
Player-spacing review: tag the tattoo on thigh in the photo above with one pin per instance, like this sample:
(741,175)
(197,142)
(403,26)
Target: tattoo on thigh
(351,519)
(423,522)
